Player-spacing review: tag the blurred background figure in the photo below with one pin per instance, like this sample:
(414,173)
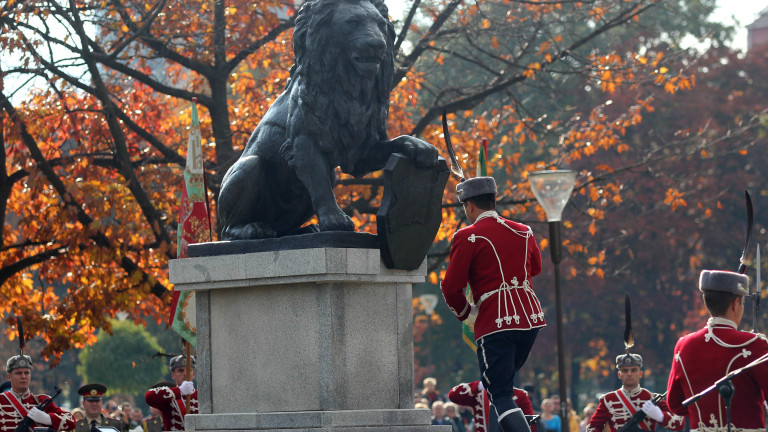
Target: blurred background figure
(111,406)
(452,414)
(589,410)
(430,391)
(549,421)
(136,417)
(154,422)
(438,414)
(77,414)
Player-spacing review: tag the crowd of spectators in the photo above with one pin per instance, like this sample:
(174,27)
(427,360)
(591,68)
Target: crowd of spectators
(461,418)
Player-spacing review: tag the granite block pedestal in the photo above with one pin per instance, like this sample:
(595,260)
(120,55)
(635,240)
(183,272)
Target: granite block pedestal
(303,340)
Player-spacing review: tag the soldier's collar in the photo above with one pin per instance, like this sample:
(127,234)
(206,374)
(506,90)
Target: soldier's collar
(21,396)
(634,392)
(99,419)
(719,321)
(486,214)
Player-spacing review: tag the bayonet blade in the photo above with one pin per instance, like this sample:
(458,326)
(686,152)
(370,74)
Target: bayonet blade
(629,337)
(742,265)
(455,168)
(757,276)
(756,295)
(20,329)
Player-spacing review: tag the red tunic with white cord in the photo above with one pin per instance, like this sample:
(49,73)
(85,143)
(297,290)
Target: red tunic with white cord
(617,407)
(497,257)
(170,402)
(702,358)
(11,404)
(475,396)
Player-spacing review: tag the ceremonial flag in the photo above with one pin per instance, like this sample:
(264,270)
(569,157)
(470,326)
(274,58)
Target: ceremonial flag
(194,227)
(467,334)
(482,170)
(482,159)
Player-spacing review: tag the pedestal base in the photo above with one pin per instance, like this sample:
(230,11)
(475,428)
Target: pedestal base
(317,421)
(303,340)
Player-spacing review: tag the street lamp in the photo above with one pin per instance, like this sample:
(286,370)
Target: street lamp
(428,302)
(552,190)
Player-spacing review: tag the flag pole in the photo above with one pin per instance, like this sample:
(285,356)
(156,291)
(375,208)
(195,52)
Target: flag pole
(188,371)
(194,221)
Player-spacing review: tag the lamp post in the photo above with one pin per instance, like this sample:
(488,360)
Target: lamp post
(428,302)
(553,190)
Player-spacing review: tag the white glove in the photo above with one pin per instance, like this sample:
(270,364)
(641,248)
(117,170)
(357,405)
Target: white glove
(653,411)
(470,321)
(186,388)
(39,417)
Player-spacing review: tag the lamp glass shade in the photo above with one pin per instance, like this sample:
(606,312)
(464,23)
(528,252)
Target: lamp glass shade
(553,190)
(428,302)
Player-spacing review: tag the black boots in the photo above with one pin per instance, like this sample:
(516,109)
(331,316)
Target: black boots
(514,421)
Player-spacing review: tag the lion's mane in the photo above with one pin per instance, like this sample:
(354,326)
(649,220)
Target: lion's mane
(324,94)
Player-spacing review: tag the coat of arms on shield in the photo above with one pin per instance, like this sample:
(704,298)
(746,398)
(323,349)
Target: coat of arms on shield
(411,211)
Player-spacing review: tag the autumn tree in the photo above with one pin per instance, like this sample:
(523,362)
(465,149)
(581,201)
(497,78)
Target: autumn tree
(93,157)
(597,123)
(94,152)
(682,210)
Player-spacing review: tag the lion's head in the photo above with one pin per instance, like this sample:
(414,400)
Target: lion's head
(344,54)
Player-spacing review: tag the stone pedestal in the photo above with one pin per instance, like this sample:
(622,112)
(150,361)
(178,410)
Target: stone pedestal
(303,340)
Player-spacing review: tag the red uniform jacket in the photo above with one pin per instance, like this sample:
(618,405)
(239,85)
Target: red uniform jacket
(469,394)
(10,417)
(498,258)
(170,402)
(702,358)
(614,412)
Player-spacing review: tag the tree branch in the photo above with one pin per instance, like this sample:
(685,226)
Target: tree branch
(69,201)
(473,100)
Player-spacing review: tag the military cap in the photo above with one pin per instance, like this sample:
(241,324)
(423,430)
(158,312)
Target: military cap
(476,186)
(94,391)
(724,281)
(180,361)
(18,362)
(629,359)
(5,386)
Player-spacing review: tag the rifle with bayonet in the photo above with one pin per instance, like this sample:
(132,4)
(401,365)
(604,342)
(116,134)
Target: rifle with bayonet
(750,222)
(633,425)
(756,294)
(27,422)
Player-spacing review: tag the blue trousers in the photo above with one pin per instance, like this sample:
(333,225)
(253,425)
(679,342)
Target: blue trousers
(500,355)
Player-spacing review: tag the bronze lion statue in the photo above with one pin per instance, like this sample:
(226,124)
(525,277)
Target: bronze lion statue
(332,113)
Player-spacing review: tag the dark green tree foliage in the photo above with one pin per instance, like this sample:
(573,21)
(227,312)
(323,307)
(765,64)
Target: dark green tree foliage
(125,361)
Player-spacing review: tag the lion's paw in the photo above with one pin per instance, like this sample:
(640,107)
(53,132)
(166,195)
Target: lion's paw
(336,221)
(423,153)
(251,231)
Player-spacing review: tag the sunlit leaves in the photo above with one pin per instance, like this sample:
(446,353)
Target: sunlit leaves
(674,199)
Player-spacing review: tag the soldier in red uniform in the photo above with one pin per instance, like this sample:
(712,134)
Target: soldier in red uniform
(473,395)
(18,402)
(498,258)
(170,400)
(617,407)
(702,358)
